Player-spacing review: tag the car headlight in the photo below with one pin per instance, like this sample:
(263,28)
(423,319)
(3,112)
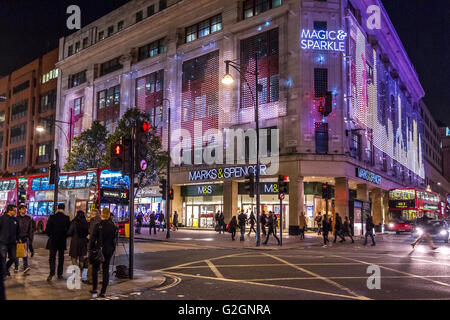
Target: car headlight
(391,225)
(419,231)
(443,232)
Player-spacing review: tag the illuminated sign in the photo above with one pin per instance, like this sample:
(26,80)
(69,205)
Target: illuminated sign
(323,40)
(264,188)
(224,173)
(447,132)
(368,175)
(114,196)
(202,190)
(398,204)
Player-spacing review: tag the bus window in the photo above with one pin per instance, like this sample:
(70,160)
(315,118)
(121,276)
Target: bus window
(50,208)
(12,185)
(70,182)
(42,209)
(91,180)
(35,184)
(111,179)
(80,182)
(44,183)
(63,181)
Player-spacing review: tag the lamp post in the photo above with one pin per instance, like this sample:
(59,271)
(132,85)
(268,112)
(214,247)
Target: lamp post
(41,129)
(228,80)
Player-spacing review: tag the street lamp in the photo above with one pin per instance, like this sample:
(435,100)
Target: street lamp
(168,171)
(228,80)
(41,129)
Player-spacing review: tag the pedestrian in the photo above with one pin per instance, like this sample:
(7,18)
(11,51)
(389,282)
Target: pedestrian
(161,221)
(152,223)
(369,229)
(346,230)
(232,228)
(103,238)
(57,227)
(175,221)
(139,221)
(252,221)
(216,218)
(9,233)
(275,225)
(30,244)
(326,227)
(242,221)
(79,231)
(263,221)
(94,219)
(25,235)
(424,223)
(338,229)
(221,223)
(319,224)
(302,225)
(2,285)
(271,227)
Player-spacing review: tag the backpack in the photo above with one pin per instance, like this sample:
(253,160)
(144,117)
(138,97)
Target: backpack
(122,272)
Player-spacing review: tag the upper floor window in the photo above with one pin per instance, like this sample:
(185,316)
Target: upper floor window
(18,133)
(101,35)
(19,110)
(255,7)
(108,97)
(320,25)
(77,79)
(110,31)
(17,156)
(48,101)
(2,118)
(162,4)
(21,87)
(150,10)
(45,151)
(204,28)
(110,66)
(70,51)
(139,16)
(85,42)
(53,74)
(77,47)
(152,49)
(78,106)
(120,26)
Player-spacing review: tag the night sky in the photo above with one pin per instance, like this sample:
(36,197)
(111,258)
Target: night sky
(29,28)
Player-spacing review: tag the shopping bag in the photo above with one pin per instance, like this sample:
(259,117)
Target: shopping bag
(21,251)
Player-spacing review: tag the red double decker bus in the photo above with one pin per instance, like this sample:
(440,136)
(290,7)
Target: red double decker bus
(406,204)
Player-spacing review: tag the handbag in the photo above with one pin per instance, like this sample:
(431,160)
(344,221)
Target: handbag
(21,250)
(96,254)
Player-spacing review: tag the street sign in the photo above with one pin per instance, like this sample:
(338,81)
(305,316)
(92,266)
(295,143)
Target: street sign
(281,196)
(143,165)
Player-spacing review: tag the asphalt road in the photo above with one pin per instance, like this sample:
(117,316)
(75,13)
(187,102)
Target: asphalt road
(307,271)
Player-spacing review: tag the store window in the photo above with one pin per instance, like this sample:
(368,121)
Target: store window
(204,28)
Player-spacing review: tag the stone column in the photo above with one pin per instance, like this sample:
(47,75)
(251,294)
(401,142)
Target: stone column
(377,206)
(341,196)
(230,199)
(177,202)
(386,207)
(362,192)
(296,203)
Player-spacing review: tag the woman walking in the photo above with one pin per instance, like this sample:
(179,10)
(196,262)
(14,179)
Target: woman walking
(271,227)
(346,229)
(326,227)
(104,238)
(302,225)
(79,231)
(233,226)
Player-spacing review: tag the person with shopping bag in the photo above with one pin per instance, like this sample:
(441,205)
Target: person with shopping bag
(8,239)
(25,236)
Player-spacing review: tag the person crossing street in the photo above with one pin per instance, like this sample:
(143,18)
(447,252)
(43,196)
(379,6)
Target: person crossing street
(9,232)
(271,228)
(252,221)
(326,227)
(161,221)
(346,229)
(338,229)
(242,221)
(369,230)
(424,223)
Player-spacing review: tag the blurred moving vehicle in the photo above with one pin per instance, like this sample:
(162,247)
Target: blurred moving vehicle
(399,225)
(438,229)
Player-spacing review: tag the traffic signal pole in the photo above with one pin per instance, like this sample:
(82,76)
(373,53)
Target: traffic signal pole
(131,206)
(168,179)
(55,196)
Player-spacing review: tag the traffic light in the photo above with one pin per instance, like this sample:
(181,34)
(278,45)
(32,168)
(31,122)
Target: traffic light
(117,157)
(328,104)
(170,194)
(140,145)
(163,188)
(52,174)
(282,184)
(250,184)
(326,191)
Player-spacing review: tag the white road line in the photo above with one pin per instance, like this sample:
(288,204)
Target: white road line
(268,285)
(199,261)
(340,278)
(398,271)
(337,285)
(214,269)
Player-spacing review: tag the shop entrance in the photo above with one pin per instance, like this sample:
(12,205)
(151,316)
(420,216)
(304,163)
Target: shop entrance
(201,216)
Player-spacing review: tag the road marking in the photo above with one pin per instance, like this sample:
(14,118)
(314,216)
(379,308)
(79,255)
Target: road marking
(427,261)
(268,285)
(337,285)
(340,278)
(214,269)
(398,271)
(176,281)
(199,261)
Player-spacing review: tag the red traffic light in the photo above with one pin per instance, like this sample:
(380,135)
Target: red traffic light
(145,126)
(118,149)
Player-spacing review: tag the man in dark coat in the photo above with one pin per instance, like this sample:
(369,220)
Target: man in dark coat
(338,229)
(242,221)
(8,238)
(105,236)
(263,220)
(252,221)
(221,222)
(93,221)
(175,221)
(161,221)
(271,227)
(139,221)
(369,229)
(25,235)
(57,227)
(152,223)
